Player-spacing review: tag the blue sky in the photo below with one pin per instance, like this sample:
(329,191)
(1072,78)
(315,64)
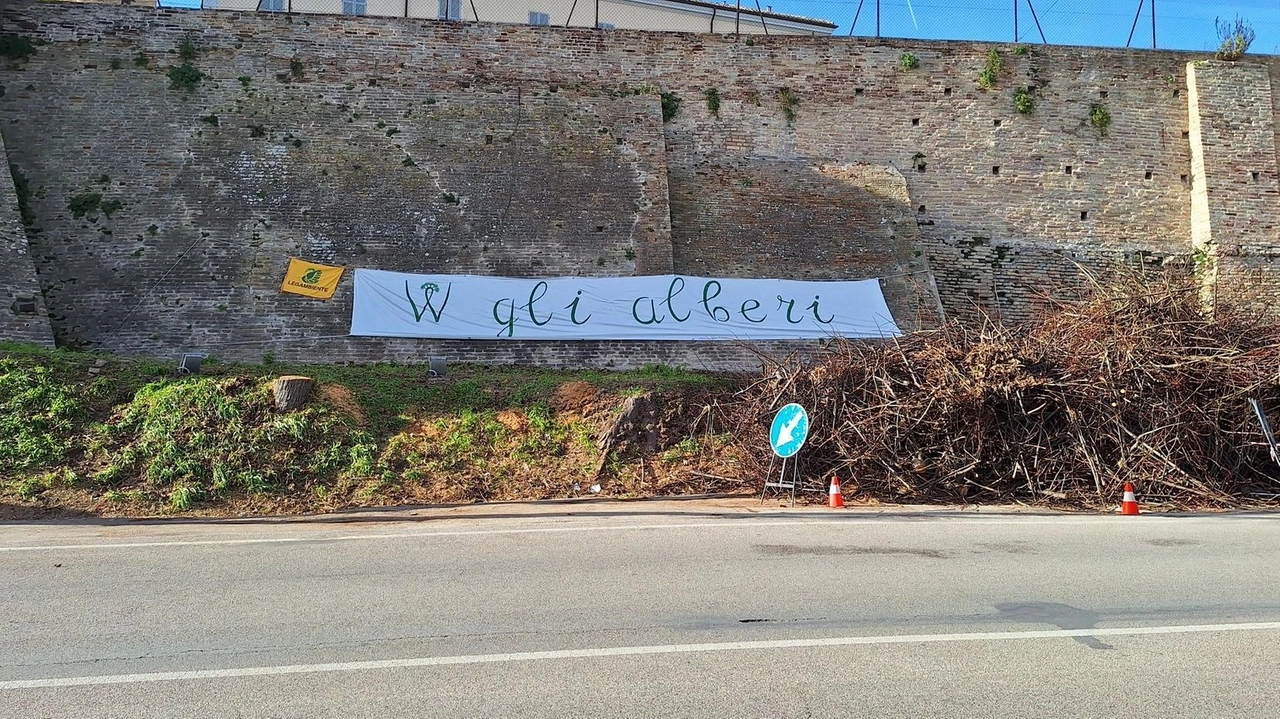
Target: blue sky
(1180,24)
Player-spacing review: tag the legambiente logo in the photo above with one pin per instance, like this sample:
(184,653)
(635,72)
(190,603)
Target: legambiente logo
(311,276)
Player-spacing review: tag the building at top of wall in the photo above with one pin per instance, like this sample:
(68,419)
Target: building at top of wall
(654,15)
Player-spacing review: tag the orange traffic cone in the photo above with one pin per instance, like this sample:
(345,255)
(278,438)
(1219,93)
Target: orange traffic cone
(1130,503)
(835,499)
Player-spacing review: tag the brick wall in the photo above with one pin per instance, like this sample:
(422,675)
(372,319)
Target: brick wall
(23,317)
(1235,183)
(409,144)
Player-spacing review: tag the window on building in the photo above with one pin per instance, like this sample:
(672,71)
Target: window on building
(450,10)
(271,5)
(539,18)
(606,26)
(355,7)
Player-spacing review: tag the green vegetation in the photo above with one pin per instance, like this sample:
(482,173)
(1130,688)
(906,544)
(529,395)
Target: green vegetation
(116,64)
(210,119)
(136,436)
(187,49)
(245,81)
(1021,49)
(908,61)
(43,407)
(16,47)
(790,102)
(185,77)
(450,199)
(22,188)
(1235,37)
(670,105)
(713,101)
(1023,101)
(296,67)
(990,74)
(141,60)
(1100,117)
(89,203)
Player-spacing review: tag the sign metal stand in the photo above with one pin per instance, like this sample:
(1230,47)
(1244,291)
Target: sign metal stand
(786,437)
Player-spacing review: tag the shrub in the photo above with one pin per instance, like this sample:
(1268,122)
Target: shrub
(670,105)
(1236,38)
(908,61)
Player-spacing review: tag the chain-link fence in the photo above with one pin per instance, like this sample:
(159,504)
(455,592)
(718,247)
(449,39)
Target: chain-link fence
(1166,24)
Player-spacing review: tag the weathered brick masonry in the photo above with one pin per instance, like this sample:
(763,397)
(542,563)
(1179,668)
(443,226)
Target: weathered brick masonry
(417,145)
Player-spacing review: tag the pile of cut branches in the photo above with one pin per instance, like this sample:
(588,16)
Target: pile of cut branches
(1134,383)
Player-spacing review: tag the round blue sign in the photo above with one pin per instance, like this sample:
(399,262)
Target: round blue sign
(790,427)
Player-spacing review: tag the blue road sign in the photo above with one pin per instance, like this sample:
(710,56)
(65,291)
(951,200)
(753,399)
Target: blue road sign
(790,427)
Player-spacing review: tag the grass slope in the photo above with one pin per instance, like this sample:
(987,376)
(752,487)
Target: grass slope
(106,435)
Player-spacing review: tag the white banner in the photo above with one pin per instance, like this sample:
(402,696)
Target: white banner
(659,307)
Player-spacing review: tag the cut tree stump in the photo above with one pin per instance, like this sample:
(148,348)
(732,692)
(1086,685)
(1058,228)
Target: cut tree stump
(635,426)
(292,392)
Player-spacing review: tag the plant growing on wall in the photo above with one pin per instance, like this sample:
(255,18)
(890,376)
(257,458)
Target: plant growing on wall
(1023,101)
(296,67)
(713,101)
(789,101)
(187,50)
(1100,117)
(1236,37)
(908,61)
(16,47)
(89,202)
(185,77)
(1021,49)
(670,105)
(141,60)
(991,73)
(22,187)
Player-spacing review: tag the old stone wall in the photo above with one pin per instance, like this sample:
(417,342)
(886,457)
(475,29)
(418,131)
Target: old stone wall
(23,317)
(515,150)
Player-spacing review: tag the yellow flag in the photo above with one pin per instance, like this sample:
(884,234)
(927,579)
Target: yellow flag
(311,279)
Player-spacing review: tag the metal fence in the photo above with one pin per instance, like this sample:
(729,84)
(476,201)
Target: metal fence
(1167,24)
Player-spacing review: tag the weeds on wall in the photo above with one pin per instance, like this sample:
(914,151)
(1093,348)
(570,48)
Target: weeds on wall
(1023,101)
(670,105)
(22,187)
(753,97)
(296,67)
(1100,117)
(187,49)
(116,64)
(16,47)
(790,103)
(990,74)
(908,61)
(1235,37)
(1021,49)
(185,77)
(141,60)
(713,101)
(89,203)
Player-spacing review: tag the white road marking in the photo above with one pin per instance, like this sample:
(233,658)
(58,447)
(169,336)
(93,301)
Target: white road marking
(626,651)
(745,521)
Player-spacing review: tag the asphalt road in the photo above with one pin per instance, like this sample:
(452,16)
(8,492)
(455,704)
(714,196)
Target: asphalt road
(626,613)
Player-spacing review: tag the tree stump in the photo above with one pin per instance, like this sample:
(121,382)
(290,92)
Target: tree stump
(635,426)
(292,392)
